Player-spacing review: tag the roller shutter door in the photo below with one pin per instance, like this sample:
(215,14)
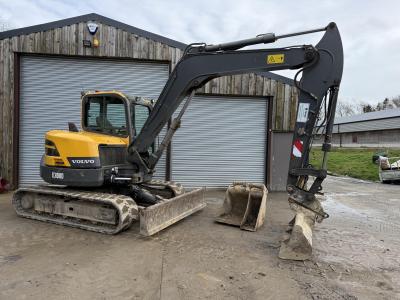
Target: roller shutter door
(221,139)
(50,97)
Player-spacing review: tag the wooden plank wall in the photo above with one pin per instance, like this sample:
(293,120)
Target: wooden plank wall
(116,42)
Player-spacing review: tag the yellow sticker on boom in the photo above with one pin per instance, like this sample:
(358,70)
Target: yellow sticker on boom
(276,59)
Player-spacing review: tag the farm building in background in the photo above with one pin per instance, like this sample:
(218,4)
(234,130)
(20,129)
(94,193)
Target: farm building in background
(374,129)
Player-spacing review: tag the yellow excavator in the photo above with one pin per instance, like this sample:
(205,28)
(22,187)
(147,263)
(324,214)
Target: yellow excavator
(91,184)
(100,178)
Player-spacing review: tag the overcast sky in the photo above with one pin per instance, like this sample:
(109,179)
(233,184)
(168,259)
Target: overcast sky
(370,29)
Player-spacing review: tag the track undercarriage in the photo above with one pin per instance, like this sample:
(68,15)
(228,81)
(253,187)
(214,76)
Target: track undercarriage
(106,211)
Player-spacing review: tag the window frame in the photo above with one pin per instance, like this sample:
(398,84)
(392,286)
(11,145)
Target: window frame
(133,116)
(125,102)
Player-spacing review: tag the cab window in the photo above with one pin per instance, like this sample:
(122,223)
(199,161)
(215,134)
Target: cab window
(105,114)
(140,113)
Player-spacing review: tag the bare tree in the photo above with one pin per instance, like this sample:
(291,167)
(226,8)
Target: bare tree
(396,101)
(345,109)
(388,103)
(5,25)
(364,107)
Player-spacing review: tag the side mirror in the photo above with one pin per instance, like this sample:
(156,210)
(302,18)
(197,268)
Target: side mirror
(72,127)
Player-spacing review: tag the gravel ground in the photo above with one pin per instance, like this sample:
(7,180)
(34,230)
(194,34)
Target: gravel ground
(356,254)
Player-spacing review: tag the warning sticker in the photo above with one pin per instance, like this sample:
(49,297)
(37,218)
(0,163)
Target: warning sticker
(275,59)
(297,148)
(302,114)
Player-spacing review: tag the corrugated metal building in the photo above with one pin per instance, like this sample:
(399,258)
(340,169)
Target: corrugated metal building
(44,68)
(374,129)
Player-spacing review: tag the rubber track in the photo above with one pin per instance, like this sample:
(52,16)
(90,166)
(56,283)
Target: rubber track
(127,210)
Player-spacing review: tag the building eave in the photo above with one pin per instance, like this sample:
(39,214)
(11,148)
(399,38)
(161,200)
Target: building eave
(87,18)
(128,28)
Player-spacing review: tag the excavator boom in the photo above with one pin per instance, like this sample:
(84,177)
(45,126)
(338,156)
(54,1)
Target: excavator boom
(321,67)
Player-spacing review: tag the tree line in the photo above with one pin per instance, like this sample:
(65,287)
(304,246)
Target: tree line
(345,109)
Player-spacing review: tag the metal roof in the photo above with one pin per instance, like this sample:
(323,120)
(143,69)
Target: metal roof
(120,25)
(92,17)
(376,115)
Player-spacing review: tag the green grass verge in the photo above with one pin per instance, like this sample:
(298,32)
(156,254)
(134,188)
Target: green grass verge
(351,162)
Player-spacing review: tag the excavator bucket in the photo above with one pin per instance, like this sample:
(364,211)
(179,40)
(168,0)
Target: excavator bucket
(244,206)
(297,245)
(163,214)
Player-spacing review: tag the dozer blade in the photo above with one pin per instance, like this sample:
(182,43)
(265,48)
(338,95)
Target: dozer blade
(244,206)
(161,215)
(298,245)
(93,211)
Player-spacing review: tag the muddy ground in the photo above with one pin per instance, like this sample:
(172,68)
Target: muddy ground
(356,255)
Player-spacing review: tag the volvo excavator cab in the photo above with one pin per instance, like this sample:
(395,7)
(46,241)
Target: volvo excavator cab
(91,157)
(114,113)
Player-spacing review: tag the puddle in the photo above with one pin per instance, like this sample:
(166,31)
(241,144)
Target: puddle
(9,258)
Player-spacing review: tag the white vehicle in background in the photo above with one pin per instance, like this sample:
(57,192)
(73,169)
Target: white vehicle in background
(389,169)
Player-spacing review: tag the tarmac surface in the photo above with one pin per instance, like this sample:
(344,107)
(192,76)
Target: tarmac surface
(356,254)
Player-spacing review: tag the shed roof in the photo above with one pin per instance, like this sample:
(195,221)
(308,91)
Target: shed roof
(376,115)
(92,17)
(120,25)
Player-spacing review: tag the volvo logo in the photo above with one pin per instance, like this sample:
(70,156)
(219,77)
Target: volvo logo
(82,161)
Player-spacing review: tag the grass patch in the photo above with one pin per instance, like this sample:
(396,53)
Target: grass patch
(351,162)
